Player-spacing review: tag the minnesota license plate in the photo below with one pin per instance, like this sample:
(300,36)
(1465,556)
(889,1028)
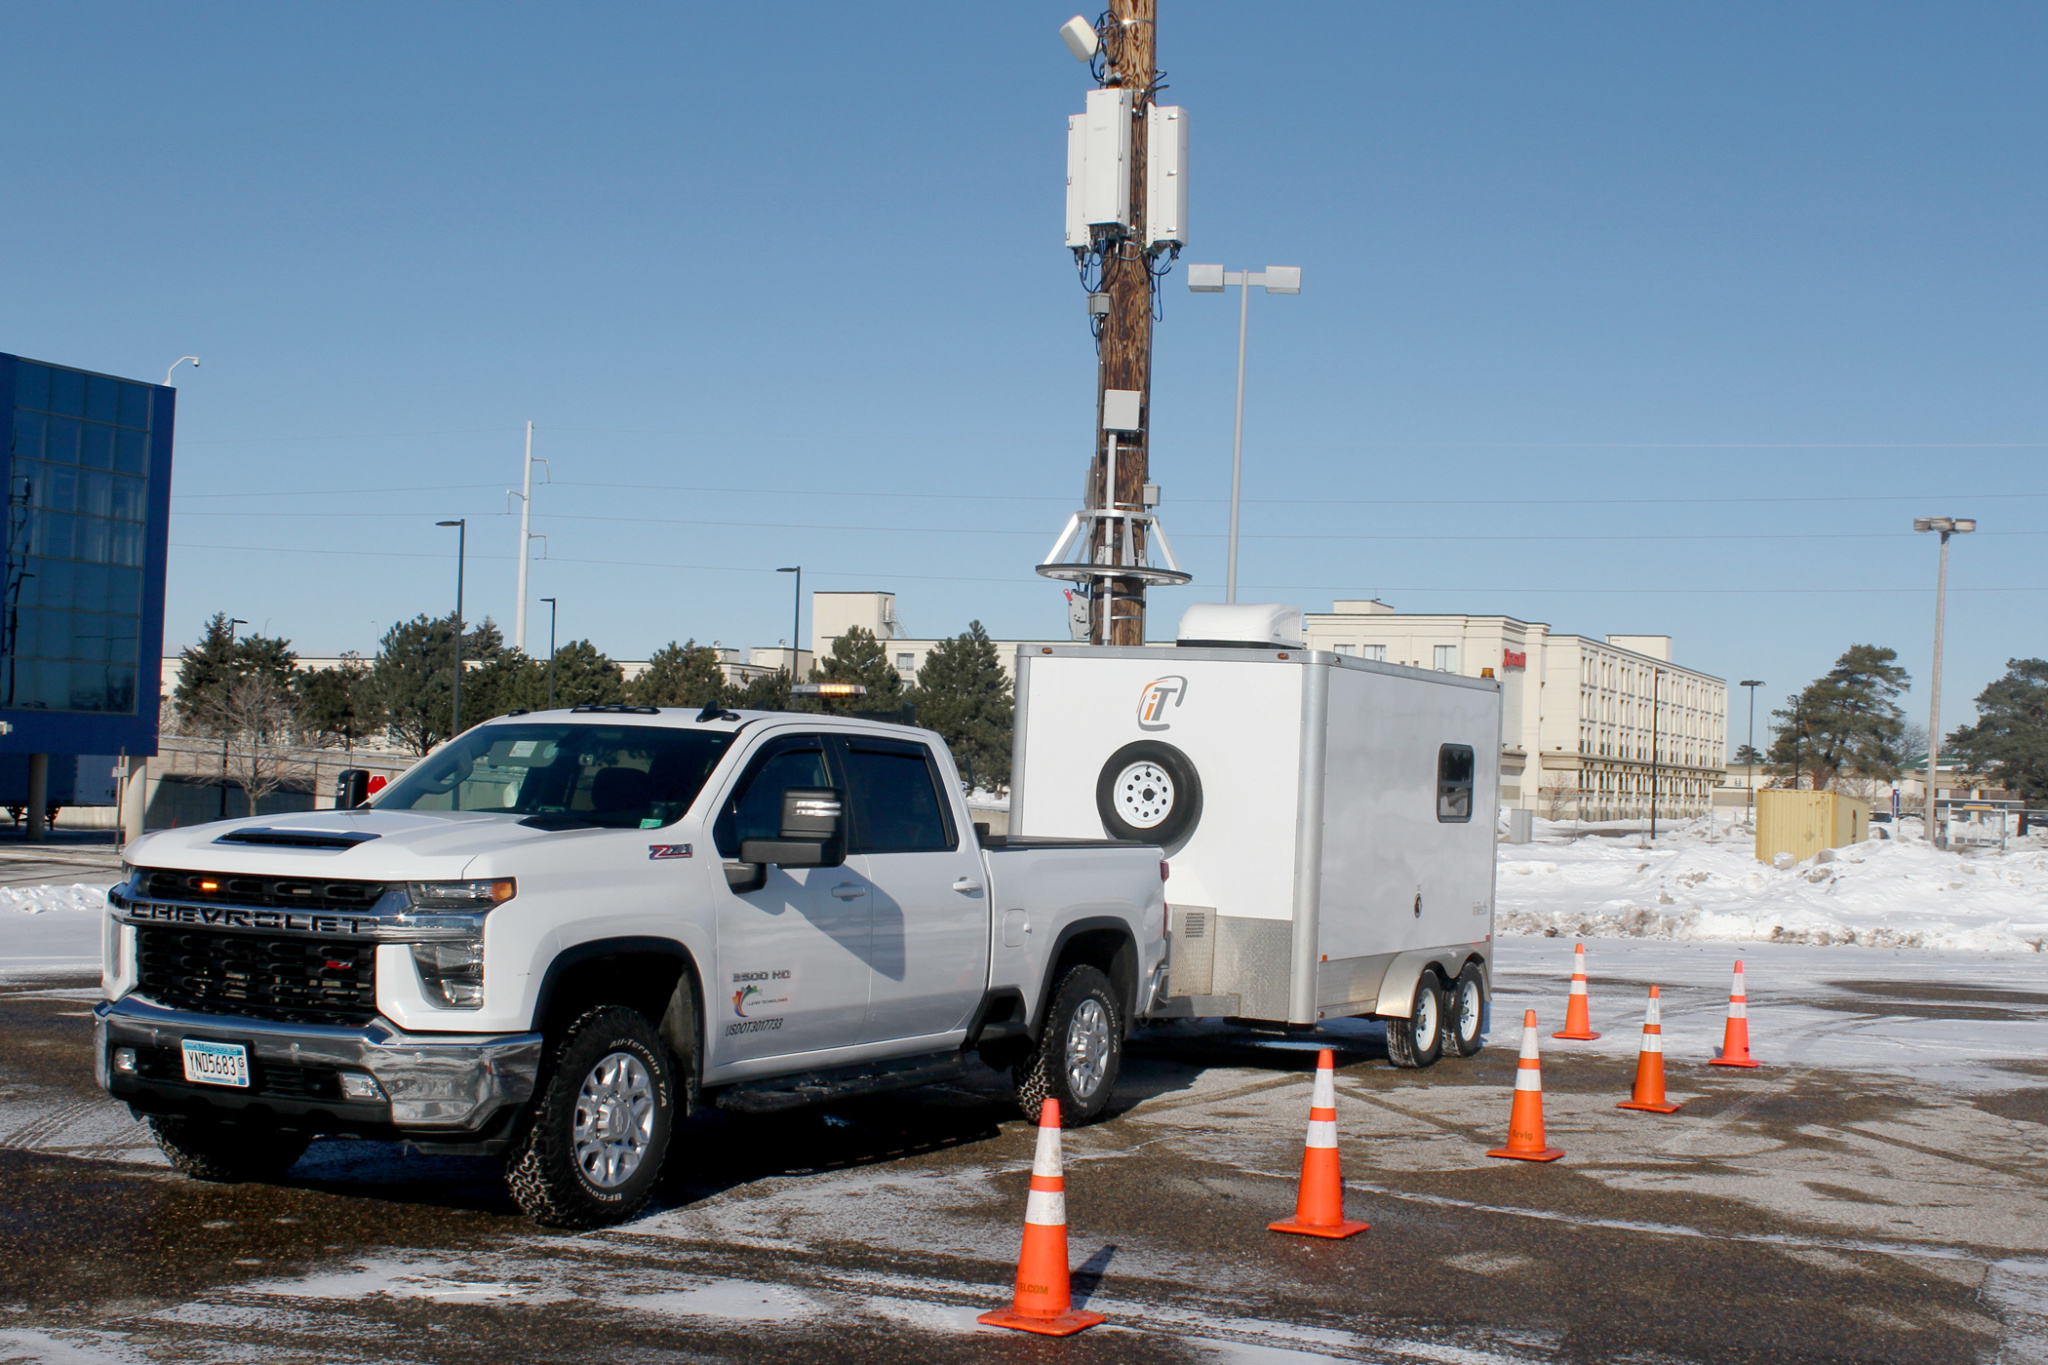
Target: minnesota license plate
(216,1063)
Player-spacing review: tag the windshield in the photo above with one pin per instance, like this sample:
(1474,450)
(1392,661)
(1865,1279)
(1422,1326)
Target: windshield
(617,776)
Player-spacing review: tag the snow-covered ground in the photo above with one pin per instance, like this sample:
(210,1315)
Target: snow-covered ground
(1881,894)
(50,928)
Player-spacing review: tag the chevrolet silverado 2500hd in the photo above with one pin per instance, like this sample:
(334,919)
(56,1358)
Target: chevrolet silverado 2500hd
(560,932)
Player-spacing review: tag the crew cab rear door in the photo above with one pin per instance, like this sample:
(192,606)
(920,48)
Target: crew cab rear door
(929,950)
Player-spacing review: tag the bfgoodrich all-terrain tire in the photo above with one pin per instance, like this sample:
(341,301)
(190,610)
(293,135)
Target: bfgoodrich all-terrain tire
(1080,1052)
(210,1149)
(600,1129)
(1418,1040)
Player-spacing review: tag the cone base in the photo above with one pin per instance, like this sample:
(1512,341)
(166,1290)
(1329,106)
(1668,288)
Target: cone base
(1336,1230)
(1065,1325)
(1539,1154)
(1665,1108)
(1577,1037)
(1732,1061)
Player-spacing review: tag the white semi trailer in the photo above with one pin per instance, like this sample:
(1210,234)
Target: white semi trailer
(1329,820)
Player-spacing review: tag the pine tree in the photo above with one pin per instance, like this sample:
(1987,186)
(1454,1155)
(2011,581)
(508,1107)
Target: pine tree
(858,657)
(1845,720)
(206,669)
(508,681)
(2010,737)
(585,677)
(339,705)
(414,675)
(768,692)
(680,675)
(963,693)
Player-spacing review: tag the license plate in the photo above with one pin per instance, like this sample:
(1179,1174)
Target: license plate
(217,1063)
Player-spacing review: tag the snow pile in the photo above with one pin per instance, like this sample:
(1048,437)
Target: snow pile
(50,928)
(1884,894)
(41,900)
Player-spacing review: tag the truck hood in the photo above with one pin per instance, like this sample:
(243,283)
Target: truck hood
(387,845)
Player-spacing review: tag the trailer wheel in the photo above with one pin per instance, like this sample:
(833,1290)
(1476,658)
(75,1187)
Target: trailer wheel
(1418,1040)
(1150,792)
(1079,1054)
(1466,1015)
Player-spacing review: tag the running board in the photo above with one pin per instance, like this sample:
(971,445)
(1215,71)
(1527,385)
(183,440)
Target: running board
(805,1088)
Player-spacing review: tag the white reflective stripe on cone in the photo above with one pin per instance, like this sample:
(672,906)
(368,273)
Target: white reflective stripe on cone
(1324,1094)
(1322,1132)
(1578,985)
(1529,1043)
(1047,1160)
(1528,1078)
(1655,1013)
(1653,1042)
(1047,1208)
(1738,1009)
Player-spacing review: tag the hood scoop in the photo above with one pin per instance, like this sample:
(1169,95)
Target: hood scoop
(296,838)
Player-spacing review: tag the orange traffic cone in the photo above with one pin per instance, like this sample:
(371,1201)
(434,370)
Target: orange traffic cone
(1043,1302)
(1578,1019)
(1319,1207)
(1649,1092)
(1525,1120)
(1735,1042)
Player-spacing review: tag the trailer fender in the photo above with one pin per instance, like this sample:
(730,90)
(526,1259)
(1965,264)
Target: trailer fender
(1397,987)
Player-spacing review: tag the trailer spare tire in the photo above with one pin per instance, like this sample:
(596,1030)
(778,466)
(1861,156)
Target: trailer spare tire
(1150,792)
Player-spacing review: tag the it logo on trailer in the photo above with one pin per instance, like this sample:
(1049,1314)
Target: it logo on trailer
(1157,698)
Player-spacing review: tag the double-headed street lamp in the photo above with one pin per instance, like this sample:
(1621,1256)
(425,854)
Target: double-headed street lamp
(461,525)
(1947,526)
(1749,794)
(1211,279)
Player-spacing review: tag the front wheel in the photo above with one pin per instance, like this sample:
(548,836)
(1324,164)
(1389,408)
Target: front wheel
(210,1149)
(1079,1054)
(1418,1040)
(601,1124)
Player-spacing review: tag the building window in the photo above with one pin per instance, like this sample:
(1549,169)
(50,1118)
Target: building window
(1447,658)
(1347,649)
(906,664)
(1378,653)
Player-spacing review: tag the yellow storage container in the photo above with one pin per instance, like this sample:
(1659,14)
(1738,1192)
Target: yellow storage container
(1804,823)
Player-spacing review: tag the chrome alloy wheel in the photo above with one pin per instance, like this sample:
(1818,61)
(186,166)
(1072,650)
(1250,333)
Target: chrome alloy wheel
(1087,1048)
(614,1120)
(1144,794)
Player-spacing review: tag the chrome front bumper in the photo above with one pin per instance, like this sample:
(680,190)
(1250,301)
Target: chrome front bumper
(434,1083)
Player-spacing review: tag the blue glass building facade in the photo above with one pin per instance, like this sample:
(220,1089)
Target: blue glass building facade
(88,478)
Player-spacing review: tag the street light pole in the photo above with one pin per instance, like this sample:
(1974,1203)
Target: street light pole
(174,365)
(796,619)
(461,525)
(551,651)
(1656,686)
(1211,279)
(1749,777)
(1947,526)
(230,668)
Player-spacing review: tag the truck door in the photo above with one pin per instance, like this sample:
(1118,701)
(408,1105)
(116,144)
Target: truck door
(793,956)
(930,950)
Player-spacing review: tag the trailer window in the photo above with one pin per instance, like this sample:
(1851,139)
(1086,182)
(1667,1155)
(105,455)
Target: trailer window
(1454,784)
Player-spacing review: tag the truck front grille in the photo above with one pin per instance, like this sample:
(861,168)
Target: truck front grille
(271,893)
(280,1080)
(294,980)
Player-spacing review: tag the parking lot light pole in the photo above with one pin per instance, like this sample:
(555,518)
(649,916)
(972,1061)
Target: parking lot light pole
(461,525)
(1947,526)
(796,619)
(176,363)
(1211,279)
(551,651)
(1749,779)
(229,671)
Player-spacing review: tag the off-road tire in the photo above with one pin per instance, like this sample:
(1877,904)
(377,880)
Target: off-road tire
(229,1153)
(542,1171)
(1418,1040)
(1465,1011)
(1043,1072)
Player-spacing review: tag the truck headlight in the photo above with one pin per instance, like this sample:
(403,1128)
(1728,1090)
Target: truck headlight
(452,972)
(462,895)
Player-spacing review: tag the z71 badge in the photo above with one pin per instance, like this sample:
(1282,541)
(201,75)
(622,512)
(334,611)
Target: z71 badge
(668,850)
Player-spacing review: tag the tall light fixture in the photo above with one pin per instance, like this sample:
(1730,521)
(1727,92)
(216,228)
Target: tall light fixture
(237,621)
(461,525)
(551,651)
(1947,526)
(175,364)
(1211,279)
(796,619)
(1750,778)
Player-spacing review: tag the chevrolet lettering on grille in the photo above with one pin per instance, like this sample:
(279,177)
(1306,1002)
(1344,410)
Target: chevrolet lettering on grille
(225,917)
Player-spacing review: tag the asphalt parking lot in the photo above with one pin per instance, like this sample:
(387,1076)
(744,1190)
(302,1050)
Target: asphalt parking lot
(1876,1193)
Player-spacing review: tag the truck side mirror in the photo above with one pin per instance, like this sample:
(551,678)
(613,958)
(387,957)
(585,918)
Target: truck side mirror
(813,835)
(352,788)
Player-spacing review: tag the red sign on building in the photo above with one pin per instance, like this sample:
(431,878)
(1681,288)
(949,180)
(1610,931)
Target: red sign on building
(1510,659)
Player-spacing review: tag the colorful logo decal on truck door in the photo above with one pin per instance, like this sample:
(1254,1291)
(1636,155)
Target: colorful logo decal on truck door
(668,851)
(754,996)
(1158,697)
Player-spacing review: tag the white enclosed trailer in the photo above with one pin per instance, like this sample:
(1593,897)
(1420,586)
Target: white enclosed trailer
(1329,820)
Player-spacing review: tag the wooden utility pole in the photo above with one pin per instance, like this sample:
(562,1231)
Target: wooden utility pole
(1131,46)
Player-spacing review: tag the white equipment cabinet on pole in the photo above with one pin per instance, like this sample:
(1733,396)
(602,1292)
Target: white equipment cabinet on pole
(1329,820)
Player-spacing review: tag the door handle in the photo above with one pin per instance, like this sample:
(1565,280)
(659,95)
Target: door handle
(967,886)
(848,891)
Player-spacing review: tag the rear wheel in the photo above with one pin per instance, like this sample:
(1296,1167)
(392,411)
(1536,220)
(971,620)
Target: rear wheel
(600,1126)
(1079,1054)
(1467,1010)
(212,1149)
(1418,1040)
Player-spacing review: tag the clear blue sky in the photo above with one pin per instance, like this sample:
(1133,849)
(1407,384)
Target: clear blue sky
(1626,318)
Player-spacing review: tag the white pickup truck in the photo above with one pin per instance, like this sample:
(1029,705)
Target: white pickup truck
(561,932)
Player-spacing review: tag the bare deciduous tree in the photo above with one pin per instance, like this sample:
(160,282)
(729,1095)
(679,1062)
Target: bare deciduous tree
(259,715)
(1558,796)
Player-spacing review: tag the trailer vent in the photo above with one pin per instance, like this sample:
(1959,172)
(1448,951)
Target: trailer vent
(1243,625)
